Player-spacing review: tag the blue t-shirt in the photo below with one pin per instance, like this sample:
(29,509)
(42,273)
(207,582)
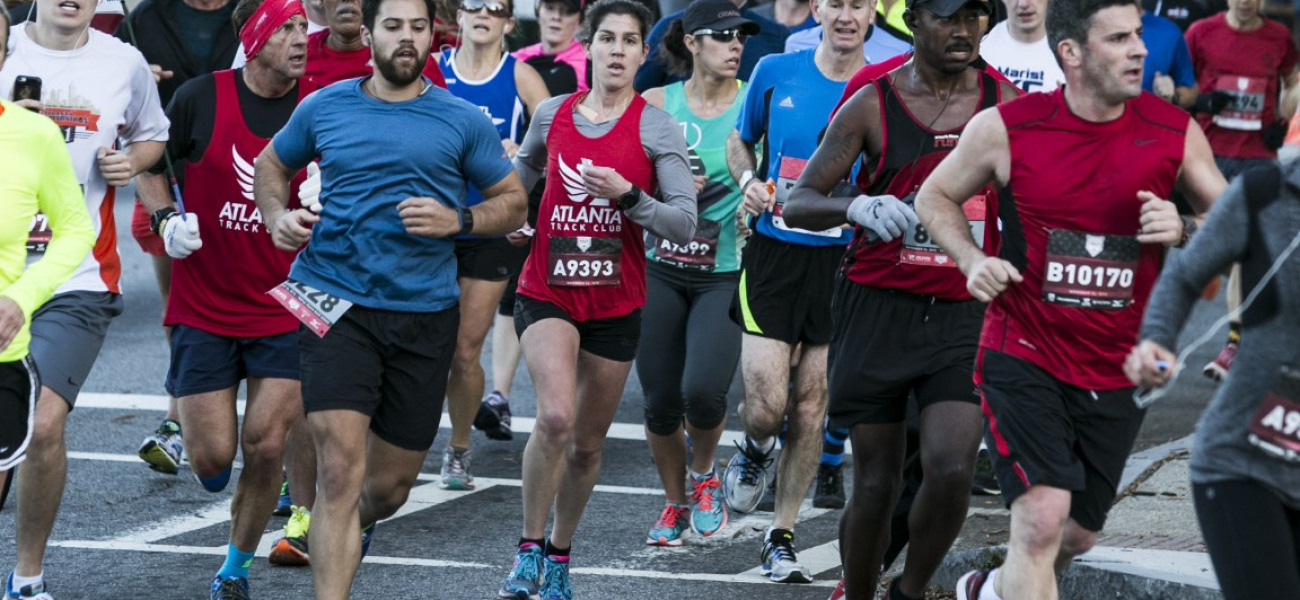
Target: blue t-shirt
(789,101)
(373,155)
(769,40)
(497,96)
(1166,52)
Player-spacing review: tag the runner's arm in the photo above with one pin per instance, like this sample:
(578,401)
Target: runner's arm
(1199,178)
(672,216)
(811,205)
(532,89)
(73,235)
(504,208)
(530,160)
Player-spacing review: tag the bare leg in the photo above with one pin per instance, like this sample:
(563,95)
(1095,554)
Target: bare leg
(1038,519)
(478,303)
(505,353)
(272,406)
(41,481)
(551,348)
(340,437)
(803,443)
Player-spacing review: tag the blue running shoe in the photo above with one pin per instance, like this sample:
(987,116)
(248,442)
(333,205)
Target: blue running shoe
(367,533)
(525,576)
(555,583)
(670,527)
(27,592)
(231,588)
(284,507)
(708,507)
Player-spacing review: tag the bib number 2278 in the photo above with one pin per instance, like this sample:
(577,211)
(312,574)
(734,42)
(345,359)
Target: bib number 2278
(318,310)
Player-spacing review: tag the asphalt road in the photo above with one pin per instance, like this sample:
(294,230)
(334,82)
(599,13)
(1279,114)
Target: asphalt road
(125,531)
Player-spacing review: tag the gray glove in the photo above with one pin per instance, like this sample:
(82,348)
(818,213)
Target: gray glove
(885,216)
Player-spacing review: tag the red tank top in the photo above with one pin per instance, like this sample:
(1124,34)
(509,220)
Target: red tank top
(587,257)
(914,263)
(221,288)
(326,66)
(1070,219)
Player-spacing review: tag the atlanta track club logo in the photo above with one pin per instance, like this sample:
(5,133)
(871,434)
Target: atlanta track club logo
(573,185)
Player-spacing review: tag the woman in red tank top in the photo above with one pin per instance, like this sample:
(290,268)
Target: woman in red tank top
(581,291)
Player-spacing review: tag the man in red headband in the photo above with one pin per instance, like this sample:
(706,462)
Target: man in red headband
(226,328)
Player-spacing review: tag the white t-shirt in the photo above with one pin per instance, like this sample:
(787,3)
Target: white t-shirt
(98,94)
(1032,67)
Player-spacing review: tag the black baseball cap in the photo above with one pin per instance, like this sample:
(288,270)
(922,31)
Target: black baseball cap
(716,15)
(948,8)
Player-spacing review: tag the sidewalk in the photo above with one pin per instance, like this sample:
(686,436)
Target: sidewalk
(1151,547)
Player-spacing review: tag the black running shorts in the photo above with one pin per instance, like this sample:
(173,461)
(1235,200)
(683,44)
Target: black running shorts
(19,389)
(1045,432)
(785,290)
(391,366)
(615,338)
(488,259)
(887,344)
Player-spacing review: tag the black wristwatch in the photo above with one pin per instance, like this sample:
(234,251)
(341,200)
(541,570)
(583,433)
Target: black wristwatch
(466,220)
(159,217)
(1189,228)
(629,198)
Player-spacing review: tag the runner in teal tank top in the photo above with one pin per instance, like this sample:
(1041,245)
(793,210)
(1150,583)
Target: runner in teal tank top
(689,347)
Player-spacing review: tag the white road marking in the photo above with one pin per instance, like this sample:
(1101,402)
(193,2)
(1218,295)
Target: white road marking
(521,425)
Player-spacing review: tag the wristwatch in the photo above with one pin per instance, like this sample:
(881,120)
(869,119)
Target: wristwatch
(159,217)
(466,220)
(629,198)
(745,178)
(1189,228)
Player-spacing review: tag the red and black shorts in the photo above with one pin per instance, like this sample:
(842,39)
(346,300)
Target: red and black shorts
(19,389)
(1046,432)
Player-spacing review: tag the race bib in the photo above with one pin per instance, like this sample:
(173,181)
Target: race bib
(701,254)
(318,310)
(1275,428)
(584,261)
(919,248)
(791,169)
(1093,271)
(38,238)
(1246,111)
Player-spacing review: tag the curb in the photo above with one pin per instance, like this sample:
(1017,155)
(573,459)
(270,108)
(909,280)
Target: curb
(1102,573)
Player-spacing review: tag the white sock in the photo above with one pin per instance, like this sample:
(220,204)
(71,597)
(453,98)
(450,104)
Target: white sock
(20,581)
(989,591)
(764,446)
(698,476)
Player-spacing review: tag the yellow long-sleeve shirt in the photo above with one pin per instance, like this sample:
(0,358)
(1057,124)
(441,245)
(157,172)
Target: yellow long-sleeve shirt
(36,177)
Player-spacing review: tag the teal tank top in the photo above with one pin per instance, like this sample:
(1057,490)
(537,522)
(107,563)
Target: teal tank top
(715,248)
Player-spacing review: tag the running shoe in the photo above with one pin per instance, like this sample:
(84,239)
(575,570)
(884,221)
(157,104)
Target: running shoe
(27,592)
(455,470)
(969,585)
(745,477)
(838,592)
(708,507)
(1217,369)
(163,450)
(525,576)
(367,534)
(284,507)
(555,581)
(829,489)
(291,550)
(779,561)
(984,483)
(229,588)
(768,502)
(670,527)
(493,417)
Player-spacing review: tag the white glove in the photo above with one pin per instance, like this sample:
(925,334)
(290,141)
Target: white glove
(309,191)
(181,235)
(886,216)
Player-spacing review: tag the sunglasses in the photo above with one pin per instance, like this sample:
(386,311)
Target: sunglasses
(722,35)
(495,9)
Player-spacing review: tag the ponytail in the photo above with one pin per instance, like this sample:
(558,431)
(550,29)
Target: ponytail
(677,57)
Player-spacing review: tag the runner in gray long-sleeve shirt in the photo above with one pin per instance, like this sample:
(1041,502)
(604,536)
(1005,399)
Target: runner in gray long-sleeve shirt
(1247,501)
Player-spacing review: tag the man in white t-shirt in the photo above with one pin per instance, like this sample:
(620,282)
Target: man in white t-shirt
(102,95)
(1018,47)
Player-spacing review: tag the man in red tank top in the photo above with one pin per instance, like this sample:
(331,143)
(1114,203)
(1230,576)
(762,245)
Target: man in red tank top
(225,326)
(1084,172)
(896,285)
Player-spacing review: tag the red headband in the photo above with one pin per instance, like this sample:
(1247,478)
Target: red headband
(265,22)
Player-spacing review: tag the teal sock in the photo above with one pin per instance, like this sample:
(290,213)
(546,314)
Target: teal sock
(237,563)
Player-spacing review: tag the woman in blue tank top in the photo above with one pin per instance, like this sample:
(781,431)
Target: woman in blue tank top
(689,347)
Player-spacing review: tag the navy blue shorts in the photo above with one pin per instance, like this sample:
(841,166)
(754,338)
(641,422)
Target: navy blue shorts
(203,362)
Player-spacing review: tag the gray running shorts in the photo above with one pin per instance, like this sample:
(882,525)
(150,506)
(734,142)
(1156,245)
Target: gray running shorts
(67,333)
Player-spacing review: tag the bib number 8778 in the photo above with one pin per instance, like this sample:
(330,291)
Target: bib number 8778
(583,268)
(1091,276)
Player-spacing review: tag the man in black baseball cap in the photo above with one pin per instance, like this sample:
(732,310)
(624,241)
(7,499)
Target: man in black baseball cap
(716,16)
(948,8)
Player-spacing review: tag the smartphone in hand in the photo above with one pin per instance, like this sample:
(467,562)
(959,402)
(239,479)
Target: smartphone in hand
(27,87)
